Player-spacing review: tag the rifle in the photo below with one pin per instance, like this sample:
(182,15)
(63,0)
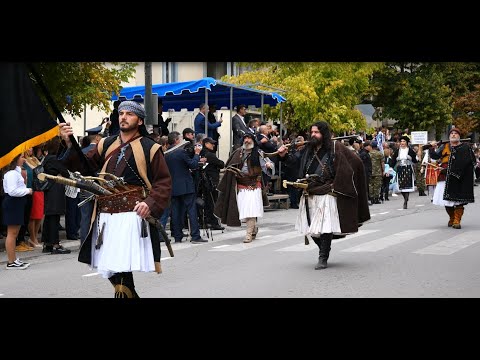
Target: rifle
(428,146)
(97,189)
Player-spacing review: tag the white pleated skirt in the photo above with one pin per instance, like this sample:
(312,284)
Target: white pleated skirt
(250,203)
(323,214)
(438,196)
(123,250)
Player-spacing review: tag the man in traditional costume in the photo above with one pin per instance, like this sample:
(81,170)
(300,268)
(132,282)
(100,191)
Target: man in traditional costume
(242,195)
(120,240)
(455,182)
(335,202)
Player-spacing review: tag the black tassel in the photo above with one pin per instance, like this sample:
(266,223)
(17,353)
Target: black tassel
(144,228)
(99,243)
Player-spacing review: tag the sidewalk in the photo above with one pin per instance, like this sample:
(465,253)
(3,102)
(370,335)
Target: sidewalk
(73,245)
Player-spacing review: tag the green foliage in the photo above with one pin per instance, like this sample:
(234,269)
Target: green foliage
(74,84)
(425,95)
(314,91)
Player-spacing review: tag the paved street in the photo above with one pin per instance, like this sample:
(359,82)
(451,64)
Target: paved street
(398,253)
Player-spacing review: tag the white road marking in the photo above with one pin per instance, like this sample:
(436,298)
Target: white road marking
(240,234)
(419,205)
(257,243)
(166,258)
(302,247)
(383,213)
(452,245)
(220,246)
(1,294)
(390,240)
(263,237)
(91,274)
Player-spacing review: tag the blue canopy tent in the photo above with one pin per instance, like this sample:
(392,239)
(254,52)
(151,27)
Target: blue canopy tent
(188,95)
(191,96)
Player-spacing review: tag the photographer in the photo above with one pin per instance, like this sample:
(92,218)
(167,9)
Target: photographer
(209,178)
(183,189)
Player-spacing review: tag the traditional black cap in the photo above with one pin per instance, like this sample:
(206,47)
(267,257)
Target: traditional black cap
(250,135)
(94,131)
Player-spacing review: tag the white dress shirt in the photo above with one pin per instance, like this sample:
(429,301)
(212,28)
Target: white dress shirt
(14,184)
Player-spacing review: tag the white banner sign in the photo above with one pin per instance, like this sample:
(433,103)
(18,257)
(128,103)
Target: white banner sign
(419,137)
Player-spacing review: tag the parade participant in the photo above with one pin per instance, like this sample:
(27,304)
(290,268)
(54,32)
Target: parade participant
(122,241)
(404,157)
(335,203)
(455,182)
(430,170)
(241,196)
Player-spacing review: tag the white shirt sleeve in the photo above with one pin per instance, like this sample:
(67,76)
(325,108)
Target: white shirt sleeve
(13,183)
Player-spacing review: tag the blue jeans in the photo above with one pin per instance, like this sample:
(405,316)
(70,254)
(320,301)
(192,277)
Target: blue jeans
(86,211)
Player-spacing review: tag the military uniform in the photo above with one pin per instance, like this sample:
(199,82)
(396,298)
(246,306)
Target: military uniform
(377,172)
(420,179)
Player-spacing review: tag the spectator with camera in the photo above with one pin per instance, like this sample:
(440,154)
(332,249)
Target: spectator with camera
(183,189)
(209,181)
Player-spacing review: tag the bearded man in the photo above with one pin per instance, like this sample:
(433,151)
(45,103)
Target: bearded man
(455,181)
(241,194)
(335,202)
(119,240)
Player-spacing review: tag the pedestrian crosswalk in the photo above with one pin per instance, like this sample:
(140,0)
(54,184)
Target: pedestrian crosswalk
(389,240)
(452,245)
(285,239)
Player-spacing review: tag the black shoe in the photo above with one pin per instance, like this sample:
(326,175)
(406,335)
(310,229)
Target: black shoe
(178,240)
(405,205)
(217,227)
(73,237)
(60,228)
(198,241)
(47,249)
(60,250)
(322,264)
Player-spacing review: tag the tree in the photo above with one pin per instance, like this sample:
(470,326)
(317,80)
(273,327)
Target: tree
(467,111)
(314,91)
(425,95)
(72,85)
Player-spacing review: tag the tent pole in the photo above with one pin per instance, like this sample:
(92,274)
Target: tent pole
(280,133)
(148,94)
(262,109)
(231,107)
(206,113)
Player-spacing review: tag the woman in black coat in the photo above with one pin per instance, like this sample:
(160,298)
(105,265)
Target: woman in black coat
(403,158)
(54,200)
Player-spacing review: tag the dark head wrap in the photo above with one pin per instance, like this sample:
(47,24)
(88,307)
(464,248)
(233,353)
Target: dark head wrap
(138,110)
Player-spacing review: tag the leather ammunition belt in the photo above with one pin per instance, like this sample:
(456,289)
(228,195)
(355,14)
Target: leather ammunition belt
(120,202)
(249,181)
